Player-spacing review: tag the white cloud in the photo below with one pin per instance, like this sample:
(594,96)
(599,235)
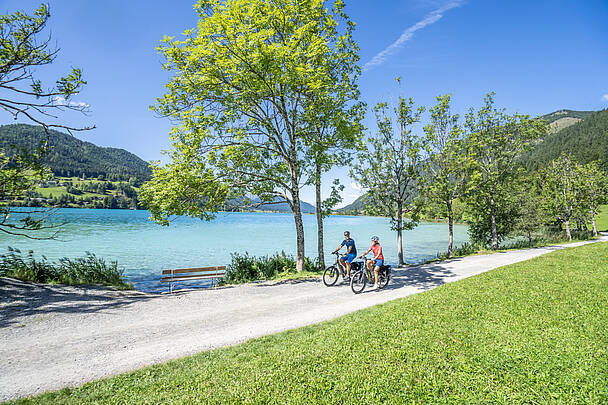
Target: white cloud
(406,35)
(356,186)
(605,98)
(59,100)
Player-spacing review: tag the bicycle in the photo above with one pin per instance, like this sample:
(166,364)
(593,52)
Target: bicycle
(360,278)
(333,272)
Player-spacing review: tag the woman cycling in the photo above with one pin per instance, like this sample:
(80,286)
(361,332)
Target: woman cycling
(378,259)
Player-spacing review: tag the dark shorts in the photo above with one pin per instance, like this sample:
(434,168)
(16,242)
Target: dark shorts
(349,257)
(379,262)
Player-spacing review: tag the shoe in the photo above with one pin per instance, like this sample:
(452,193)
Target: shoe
(375,287)
(347,279)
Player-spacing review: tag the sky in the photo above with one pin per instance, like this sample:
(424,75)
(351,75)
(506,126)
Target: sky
(538,56)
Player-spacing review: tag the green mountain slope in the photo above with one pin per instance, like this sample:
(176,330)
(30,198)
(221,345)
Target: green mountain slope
(69,156)
(586,140)
(357,207)
(561,119)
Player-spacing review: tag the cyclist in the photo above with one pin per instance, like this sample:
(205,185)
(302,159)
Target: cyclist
(351,253)
(378,259)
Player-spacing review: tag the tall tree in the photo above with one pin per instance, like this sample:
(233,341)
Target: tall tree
(389,167)
(595,190)
(23,50)
(496,141)
(563,190)
(334,131)
(240,94)
(444,176)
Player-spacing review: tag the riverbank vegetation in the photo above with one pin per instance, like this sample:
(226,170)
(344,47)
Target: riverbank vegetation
(84,270)
(529,332)
(244,268)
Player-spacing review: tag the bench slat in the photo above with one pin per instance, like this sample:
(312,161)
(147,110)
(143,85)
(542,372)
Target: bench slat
(192,277)
(194,270)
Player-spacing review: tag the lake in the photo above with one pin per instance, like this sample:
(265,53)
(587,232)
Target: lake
(143,248)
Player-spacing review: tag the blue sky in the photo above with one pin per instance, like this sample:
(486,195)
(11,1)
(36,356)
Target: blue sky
(538,56)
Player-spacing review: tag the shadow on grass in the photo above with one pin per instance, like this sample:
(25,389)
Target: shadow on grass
(20,299)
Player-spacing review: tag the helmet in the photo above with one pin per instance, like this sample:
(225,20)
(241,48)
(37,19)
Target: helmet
(375,238)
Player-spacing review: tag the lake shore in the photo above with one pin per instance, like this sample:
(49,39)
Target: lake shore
(57,336)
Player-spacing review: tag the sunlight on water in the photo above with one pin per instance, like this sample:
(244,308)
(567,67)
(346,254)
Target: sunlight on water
(144,248)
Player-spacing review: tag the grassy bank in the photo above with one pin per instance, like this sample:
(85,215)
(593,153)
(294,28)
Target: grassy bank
(89,269)
(532,332)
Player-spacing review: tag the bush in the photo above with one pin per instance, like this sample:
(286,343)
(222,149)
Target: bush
(244,268)
(83,270)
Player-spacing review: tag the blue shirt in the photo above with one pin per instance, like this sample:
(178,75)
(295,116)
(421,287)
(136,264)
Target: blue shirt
(348,244)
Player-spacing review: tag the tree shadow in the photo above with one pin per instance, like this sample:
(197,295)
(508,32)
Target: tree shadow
(424,276)
(21,299)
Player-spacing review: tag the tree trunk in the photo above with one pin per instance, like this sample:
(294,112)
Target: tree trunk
(493,218)
(450,229)
(593,224)
(568,234)
(319,218)
(399,233)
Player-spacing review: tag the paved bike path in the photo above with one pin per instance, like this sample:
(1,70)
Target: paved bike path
(57,336)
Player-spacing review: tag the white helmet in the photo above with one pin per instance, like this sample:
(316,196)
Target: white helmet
(375,238)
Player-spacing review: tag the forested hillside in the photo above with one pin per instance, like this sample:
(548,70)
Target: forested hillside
(69,156)
(586,140)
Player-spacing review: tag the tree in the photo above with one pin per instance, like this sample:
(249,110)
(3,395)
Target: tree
(334,131)
(529,216)
(389,167)
(595,190)
(444,176)
(243,84)
(562,190)
(495,142)
(22,51)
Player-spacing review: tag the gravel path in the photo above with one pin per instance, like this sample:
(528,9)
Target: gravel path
(57,336)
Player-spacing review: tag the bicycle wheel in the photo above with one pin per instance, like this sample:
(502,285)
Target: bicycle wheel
(358,281)
(330,276)
(384,276)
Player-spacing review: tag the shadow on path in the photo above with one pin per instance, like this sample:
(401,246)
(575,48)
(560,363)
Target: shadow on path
(21,299)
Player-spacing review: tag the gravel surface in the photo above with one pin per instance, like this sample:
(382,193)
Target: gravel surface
(57,336)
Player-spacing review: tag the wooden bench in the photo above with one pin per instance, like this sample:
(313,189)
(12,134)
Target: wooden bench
(198,273)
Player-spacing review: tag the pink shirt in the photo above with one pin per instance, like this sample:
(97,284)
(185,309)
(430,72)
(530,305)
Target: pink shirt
(377,249)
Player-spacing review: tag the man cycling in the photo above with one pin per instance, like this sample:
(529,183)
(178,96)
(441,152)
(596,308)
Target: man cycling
(351,253)
(378,259)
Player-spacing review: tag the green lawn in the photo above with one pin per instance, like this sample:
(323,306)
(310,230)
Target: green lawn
(602,219)
(533,332)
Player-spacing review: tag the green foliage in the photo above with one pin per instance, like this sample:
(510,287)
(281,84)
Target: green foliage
(532,332)
(389,166)
(244,268)
(444,179)
(67,156)
(84,270)
(496,141)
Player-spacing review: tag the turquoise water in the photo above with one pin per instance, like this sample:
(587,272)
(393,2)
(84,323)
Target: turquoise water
(144,248)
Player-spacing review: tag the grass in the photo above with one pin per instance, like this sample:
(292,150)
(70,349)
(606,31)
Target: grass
(601,221)
(532,332)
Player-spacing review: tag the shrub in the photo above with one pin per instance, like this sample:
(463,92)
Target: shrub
(244,268)
(84,270)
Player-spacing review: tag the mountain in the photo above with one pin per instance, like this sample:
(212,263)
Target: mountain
(357,207)
(586,140)
(561,119)
(235,204)
(69,156)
